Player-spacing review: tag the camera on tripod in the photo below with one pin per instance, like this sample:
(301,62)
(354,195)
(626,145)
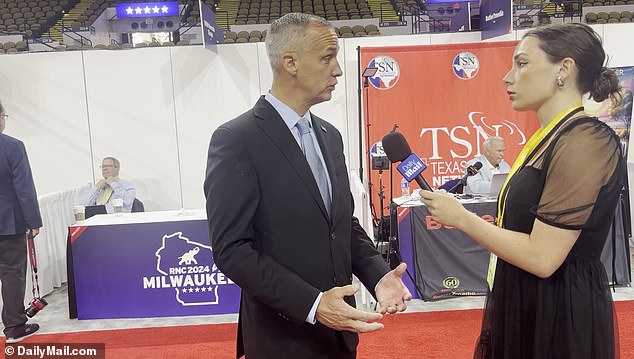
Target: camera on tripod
(35,305)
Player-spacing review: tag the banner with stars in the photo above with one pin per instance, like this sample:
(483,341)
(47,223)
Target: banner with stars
(147,9)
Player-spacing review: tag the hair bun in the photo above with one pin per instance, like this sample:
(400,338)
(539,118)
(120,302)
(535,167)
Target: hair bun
(604,85)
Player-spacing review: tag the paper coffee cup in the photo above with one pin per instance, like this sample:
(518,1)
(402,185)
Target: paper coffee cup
(80,213)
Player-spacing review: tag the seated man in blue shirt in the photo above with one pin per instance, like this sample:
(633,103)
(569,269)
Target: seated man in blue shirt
(111,187)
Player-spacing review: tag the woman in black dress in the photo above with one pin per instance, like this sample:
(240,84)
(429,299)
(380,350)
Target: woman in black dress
(550,297)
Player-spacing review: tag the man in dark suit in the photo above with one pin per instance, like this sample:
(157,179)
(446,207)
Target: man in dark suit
(280,211)
(19,213)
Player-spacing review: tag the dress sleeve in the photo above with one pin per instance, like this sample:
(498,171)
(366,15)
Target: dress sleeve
(582,161)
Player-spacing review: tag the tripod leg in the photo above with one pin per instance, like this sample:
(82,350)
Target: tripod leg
(397,260)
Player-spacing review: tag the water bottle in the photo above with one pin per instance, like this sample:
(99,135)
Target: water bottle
(404,188)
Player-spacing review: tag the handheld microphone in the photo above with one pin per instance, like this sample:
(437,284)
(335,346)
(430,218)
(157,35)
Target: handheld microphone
(411,167)
(471,171)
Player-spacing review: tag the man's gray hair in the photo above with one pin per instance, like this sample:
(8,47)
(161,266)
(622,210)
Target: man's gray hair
(487,143)
(114,161)
(288,33)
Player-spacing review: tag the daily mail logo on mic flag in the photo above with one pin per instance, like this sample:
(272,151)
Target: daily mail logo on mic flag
(212,34)
(495,18)
(446,100)
(147,9)
(411,167)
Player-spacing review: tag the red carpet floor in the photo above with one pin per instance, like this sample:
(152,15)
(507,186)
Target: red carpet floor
(446,334)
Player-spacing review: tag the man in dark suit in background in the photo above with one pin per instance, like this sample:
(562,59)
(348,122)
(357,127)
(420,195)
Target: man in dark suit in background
(19,213)
(280,211)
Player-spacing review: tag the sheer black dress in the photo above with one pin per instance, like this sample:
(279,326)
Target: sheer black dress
(572,181)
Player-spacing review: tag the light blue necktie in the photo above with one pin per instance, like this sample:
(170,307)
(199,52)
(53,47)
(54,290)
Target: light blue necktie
(319,172)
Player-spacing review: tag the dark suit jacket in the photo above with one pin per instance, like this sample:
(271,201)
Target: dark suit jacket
(19,209)
(272,236)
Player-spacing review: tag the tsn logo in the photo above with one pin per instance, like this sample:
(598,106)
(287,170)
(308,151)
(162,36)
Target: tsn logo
(463,136)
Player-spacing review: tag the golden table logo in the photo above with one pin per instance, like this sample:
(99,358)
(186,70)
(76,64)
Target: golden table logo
(451,282)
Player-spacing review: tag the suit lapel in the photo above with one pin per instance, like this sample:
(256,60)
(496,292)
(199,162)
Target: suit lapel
(274,127)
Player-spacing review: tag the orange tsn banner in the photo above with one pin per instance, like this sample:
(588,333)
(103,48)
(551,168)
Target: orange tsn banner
(446,100)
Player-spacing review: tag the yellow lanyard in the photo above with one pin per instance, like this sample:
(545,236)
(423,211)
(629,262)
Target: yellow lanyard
(105,197)
(529,150)
(527,153)
(103,200)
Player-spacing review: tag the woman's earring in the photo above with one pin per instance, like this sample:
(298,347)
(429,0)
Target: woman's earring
(559,81)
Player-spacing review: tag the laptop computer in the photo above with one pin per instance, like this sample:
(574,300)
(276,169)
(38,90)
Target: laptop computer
(497,180)
(95,210)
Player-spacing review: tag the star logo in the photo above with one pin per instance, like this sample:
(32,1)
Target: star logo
(147,9)
(156,9)
(164,9)
(129,10)
(138,10)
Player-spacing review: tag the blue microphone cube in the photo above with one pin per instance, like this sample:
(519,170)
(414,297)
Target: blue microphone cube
(411,167)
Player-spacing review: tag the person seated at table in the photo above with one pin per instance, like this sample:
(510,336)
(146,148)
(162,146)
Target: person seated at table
(111,187)
(492,162)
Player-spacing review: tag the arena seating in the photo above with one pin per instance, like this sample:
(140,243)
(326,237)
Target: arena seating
(30,17)
(610,18)
(39,18)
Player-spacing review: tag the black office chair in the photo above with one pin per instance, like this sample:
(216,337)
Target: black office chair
(137,206)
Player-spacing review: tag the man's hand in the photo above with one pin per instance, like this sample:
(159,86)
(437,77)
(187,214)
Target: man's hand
(391,292)
(335,313)
(102,183)
(34,231)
